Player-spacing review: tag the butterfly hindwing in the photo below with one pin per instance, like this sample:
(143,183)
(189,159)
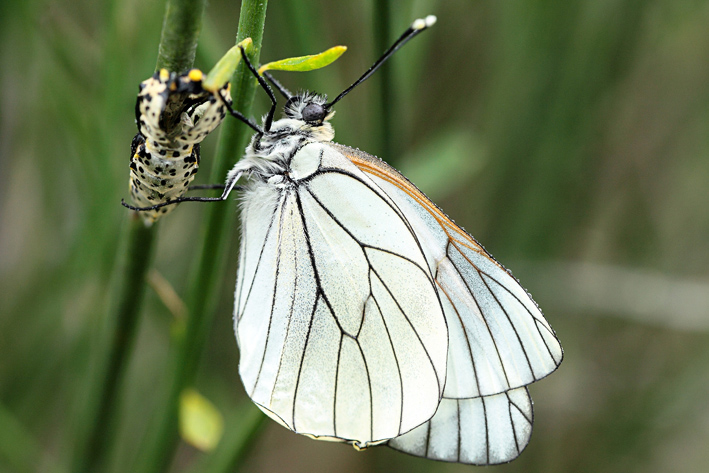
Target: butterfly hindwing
(484,430)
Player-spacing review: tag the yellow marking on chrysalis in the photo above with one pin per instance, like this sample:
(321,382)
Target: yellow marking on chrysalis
(195,75)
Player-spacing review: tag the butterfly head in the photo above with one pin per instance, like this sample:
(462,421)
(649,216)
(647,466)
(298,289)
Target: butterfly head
(306,119)
(308,107)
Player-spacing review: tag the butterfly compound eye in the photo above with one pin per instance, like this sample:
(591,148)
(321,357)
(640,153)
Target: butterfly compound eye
(314,112)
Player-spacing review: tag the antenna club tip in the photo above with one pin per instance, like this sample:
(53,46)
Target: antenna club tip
(423,23)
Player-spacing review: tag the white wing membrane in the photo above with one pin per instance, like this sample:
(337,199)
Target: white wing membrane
(364,314)
(499,341)
(481,431)
(501,330)
(340,326)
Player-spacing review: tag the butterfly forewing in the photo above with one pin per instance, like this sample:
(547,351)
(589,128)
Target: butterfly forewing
(340,325)
(502,326)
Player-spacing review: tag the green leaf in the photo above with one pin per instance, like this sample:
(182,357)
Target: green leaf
(221,73)
(201,424)
(305,63)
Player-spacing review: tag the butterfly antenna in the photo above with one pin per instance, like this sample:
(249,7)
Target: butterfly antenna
(262,82)
(415,28)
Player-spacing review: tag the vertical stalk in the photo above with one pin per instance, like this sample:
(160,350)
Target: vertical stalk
(118,334)
(180,31)
(207,275)
(97,417)
(19,451)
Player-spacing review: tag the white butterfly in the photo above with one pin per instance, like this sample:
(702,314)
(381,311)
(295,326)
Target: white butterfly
(363,313)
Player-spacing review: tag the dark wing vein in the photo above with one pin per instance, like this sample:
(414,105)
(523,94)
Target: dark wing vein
(273,299)
(460,437)
(321,297)
(362,245)
(365,245)
(290,315)
(392,205)
(428,437)
(509,319)
(337,376)
(465,334)
(396,359)
(512,422)
(536,320)
(242,267)
(430,360)
(521,411)
(258,263)
(318,293)
(369,385)
(302,357)
(487,432)
(321,294)
(290,319)
(472,295)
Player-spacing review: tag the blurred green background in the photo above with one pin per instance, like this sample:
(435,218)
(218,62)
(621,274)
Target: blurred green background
(570,138)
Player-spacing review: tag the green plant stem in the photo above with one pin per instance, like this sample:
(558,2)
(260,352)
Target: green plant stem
(180,31)
(118,335)
(19,450)
(206,278)
(97,419)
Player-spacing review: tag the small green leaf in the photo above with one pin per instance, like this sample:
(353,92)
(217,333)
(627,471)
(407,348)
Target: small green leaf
(201,424)
(305,63)
(221,73)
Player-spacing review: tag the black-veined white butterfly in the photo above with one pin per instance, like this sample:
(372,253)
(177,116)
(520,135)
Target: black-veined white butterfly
(363,313)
